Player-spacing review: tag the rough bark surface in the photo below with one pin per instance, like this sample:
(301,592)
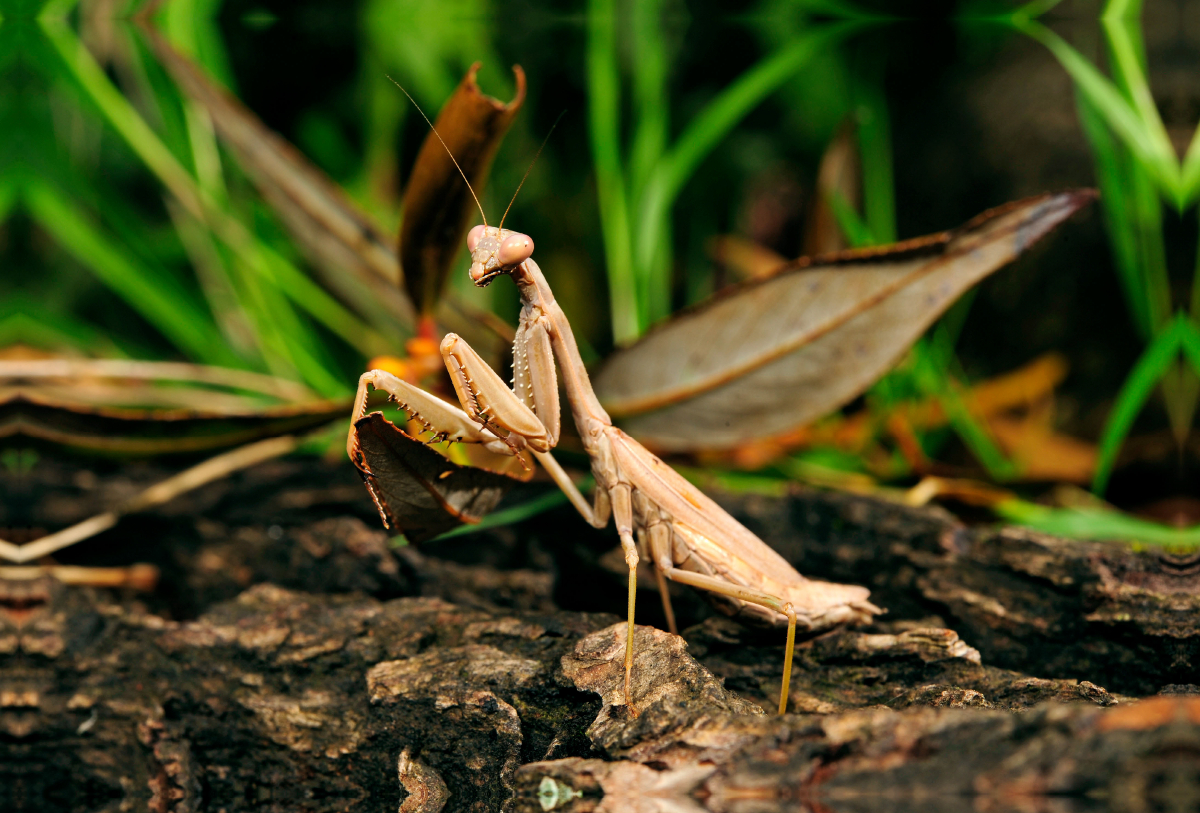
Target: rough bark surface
(293,659)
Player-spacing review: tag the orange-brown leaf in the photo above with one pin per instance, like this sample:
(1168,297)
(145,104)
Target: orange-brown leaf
(438,207)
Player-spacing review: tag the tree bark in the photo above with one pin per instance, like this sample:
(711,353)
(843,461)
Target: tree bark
(293,659)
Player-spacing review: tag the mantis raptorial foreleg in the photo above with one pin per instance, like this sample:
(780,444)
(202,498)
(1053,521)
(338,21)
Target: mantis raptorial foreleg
(444,420)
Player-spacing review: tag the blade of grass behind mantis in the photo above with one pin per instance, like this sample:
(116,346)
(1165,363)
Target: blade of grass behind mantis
(694,143)
(604,131)
(254,314)
(1099,524)
(192,26)
(781,352)
(635,209)
(169,310)
(1145,138)
(1112,176)
(334,232)
(1180,337)
(930,371)
(256,255)
(1133,209)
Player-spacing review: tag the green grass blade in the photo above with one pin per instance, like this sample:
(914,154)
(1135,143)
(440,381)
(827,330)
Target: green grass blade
(171,311)
(1191,169)
(145,143)
(1143,140)
(875,147)
(1189,341)
(649,94)
(604,109)
(856,231)
(647,148)
(729,107)
(1140,382)
(706,130)
(518,513)
(1098,524)
(934,381)
(1117,9)
(1113,177)
(1148,224)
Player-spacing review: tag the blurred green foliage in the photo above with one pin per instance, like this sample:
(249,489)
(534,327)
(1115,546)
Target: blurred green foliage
(127,231)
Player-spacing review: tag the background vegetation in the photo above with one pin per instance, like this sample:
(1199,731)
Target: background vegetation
(126,230)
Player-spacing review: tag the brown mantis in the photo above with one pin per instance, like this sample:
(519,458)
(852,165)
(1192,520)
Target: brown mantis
(688,538)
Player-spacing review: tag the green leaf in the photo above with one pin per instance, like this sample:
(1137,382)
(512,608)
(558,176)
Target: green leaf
(707,129)
(875,146)
(507,516)
(604,129)
(170,310)
(857,233)
(1099,524)
(1147,141)
(1140,382)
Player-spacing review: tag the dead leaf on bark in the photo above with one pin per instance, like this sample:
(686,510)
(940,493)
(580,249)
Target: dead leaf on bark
(783,351)
(438,206)
(418,490)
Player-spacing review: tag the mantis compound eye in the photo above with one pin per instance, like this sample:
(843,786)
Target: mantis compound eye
(514,249)
(473,237)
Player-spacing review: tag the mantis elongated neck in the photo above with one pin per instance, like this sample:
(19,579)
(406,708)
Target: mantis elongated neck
(536,293)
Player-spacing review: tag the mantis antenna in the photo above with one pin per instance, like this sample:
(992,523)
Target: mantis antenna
(452,158)
(530,169)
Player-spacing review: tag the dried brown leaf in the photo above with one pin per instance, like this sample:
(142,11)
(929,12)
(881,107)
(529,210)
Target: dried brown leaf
(438,206)
(114,406)
(780,352)
(746,259)
(838,175)
(419,491)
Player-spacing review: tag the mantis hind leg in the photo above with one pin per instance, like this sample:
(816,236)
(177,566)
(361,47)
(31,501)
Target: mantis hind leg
(715,585)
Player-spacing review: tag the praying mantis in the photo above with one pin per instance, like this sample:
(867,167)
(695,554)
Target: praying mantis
(687,537)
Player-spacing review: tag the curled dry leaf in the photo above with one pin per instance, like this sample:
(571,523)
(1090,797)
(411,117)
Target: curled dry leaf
(838,178)
(438,206)
(421,492)
(114,406)
(783,351)
(744,258)
(356,256)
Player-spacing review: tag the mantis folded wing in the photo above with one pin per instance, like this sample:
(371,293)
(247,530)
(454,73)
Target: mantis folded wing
(687,536)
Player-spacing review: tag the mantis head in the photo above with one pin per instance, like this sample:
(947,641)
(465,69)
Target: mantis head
(496,251)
